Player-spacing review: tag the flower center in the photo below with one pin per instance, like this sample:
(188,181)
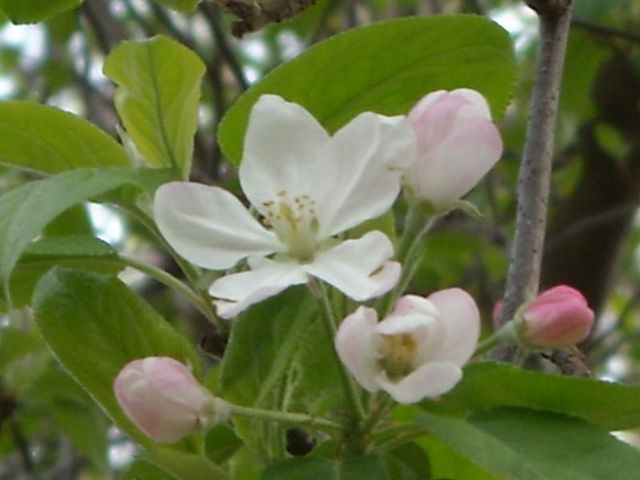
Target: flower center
(294,222)
(397,355)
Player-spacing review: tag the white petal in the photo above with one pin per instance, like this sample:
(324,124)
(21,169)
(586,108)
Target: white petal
(458,163)
(461,321)
(281,147)
(356,344)
(357,175)
(400,324)
(425,328)
(359,268)
(429,380)
(414,304)
(208,226)
(238,291)
(480,104)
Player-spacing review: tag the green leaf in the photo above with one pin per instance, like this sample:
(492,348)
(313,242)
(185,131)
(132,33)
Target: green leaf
(185,466)
(221,443)
(385,67)
(31,11)
(180,5)
(447,463)
(413,457)
(74,251)
(86,428)
(157,98)
(272,331)
(489,385)
(310,468)
(74,412)
(15,344)
(95,325)
(25,210)
(519,444)
(46,139)
(142,469)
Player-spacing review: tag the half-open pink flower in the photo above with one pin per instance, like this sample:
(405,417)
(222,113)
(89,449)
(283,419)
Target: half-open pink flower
(415,352)
(308,187)
(457,145)
(558,317)
(163,398)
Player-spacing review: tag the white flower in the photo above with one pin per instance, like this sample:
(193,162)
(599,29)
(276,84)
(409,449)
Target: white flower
(416,351)
(308,187)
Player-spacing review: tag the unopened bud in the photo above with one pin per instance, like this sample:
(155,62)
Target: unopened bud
(457,145)
(163,398)
(558,317)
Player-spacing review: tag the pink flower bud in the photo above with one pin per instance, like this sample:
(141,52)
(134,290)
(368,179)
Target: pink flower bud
(162,397)
(457,145)
(558,317)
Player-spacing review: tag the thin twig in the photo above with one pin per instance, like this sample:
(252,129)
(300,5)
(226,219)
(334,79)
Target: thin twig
(211,14)
(605,31)
(108,32)
(535,172)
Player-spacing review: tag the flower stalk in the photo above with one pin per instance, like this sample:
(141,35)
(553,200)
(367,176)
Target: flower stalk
(350,388)
(301,419)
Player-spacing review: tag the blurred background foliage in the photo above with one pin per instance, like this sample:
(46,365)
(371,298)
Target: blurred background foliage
(593,238)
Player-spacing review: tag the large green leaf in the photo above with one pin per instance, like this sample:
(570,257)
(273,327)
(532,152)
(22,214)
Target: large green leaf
(185,466)
(369,467)
(273,332)
(74,251)
(43,138)
(74,412)
(157,98)
(95,325)
(385,67)
(180,5)
(446,463)
(25,210)
(31,11)
(519,444)
(489,385)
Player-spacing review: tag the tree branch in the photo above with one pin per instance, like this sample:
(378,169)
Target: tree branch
(535,171)
(605,31)
(253,16)
(211,14)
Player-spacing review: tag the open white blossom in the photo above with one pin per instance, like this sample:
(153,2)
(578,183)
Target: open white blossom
(308,187)
(415,352)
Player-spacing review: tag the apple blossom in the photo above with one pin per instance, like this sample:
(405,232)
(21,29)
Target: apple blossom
(308,187)
(457,145)
(558,317)
(415,352)
(162,397)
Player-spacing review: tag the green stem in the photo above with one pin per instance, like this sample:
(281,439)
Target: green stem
(173,283)
(191,273)
(383,405)
(503,336)
(401,439)
(287,417)
(384,436)
(330,323)
(417,225)
(488,344)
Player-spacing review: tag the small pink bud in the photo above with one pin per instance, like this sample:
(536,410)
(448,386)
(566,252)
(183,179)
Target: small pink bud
(558,317)
(163,398)
(457,145)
